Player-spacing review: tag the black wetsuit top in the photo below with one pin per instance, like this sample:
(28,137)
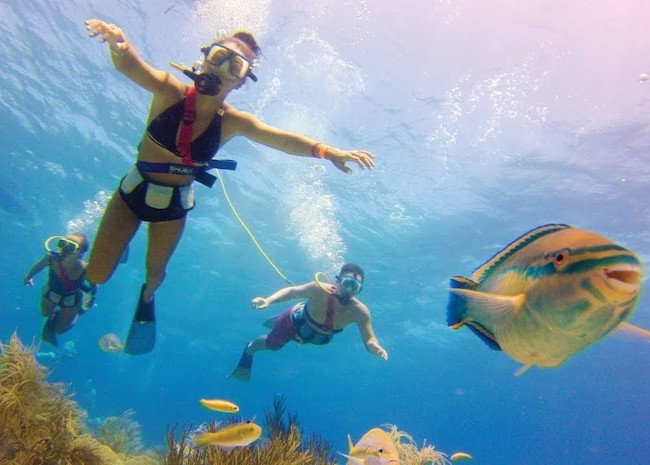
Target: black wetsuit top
(163,130)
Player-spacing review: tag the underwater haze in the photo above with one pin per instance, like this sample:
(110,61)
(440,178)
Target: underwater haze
(487,119)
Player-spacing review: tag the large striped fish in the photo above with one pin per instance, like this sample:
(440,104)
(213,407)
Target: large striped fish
(549,294)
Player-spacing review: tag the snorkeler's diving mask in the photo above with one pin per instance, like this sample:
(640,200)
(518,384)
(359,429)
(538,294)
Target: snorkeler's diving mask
(61,245)
(222,57)
(350,284)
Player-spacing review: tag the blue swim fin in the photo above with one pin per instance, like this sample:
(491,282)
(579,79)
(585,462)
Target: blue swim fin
(142,333)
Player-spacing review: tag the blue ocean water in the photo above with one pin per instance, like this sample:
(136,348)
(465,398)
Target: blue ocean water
(487,119)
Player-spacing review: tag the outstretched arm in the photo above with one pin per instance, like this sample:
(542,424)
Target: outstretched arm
(247,125)
(38,266)
(368,337)
(286,293)
(125,57)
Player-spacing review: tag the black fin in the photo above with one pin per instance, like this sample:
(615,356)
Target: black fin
(49,332)
(142,333)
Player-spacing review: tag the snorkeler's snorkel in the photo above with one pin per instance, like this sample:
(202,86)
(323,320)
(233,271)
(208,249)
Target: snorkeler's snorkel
(349,289)
(207,84)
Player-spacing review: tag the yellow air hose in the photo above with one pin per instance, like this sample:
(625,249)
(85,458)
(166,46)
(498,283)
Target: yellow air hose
(248,231)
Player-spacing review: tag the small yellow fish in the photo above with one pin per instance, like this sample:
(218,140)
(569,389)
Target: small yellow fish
(236,435)
(549,294)
(374,448)
(460,456)
(220,405)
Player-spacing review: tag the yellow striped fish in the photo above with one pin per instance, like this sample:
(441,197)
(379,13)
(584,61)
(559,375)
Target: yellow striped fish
(234,435)
(376,447)
(549,294)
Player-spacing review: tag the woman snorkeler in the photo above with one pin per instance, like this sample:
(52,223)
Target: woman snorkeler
(186,126)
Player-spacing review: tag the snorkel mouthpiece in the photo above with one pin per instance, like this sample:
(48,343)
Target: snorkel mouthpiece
(207,84)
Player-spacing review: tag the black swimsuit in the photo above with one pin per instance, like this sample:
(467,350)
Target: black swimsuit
(60,289)
(156,202)
(163,130)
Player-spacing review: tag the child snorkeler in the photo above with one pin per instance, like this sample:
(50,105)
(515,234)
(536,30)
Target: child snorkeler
(66,294)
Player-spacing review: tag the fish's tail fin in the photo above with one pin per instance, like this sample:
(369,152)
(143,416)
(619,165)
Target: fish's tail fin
(457,306)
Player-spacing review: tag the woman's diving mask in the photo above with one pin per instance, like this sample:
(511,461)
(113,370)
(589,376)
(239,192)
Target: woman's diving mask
(228,60)
(217,58)
(61,245)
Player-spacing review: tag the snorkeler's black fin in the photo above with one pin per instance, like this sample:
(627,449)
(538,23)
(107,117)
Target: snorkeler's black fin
(242,371)
(142,333)
(49,332)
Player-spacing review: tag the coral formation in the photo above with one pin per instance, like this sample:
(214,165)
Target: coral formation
(39,424)
(283,446)
(120,433)
(409,454)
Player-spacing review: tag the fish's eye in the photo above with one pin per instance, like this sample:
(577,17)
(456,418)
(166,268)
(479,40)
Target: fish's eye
(381,450)
(561,258)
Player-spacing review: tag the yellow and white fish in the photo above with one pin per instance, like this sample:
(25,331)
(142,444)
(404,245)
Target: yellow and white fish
(235,435)
(219,405)
(374,448)
(456,456)
(549,294)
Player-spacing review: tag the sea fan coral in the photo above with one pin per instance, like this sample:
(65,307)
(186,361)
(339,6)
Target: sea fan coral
(39,424)
(120,433)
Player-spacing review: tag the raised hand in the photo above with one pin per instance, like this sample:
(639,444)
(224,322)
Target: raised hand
(109,33)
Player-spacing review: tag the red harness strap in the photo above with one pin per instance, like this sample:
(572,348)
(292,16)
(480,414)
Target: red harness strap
(65,279)
(185,134)
(329,317)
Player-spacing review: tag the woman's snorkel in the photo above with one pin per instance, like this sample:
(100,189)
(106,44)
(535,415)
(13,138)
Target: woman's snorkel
(207,84)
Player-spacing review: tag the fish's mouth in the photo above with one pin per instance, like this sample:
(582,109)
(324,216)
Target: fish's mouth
(626,279)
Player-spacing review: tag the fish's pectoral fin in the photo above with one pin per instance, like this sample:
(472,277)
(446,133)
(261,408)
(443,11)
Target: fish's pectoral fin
(350,444)
(353,460)
(627,329)
(495,305)
(522,370)
(466,307)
